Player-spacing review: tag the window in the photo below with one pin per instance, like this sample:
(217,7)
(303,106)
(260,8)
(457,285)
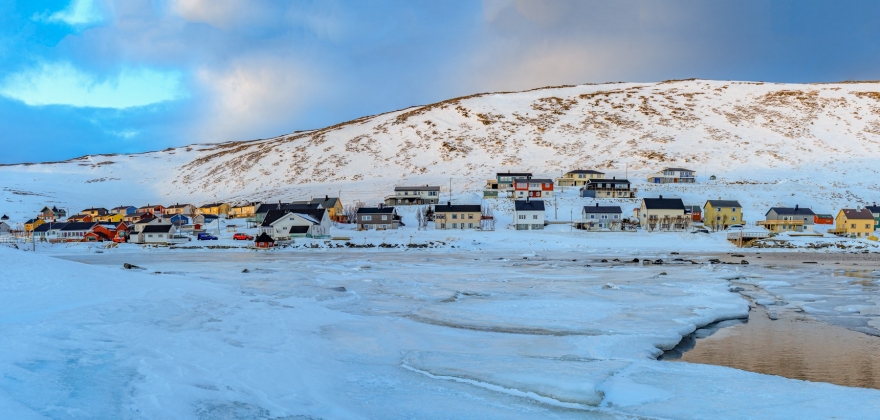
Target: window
(384,217)
(592,216)
(470,225)
(367,217)
(534,216)
(604,216)
(470,216)
(853,225)
(455,216)
(733,209)
(522,217)
(717,217)
(733,219)
(718,209)
(384,226)
(454,225)
(615,216)
(150,236)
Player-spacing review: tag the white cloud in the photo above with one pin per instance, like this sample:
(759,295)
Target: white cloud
(77,13)
(63,84)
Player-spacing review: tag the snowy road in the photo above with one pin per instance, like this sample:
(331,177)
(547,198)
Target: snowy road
(375,335)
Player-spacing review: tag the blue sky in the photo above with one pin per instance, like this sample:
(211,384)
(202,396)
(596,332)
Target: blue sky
(108,76)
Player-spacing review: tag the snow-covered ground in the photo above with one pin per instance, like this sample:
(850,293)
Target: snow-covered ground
(369,334)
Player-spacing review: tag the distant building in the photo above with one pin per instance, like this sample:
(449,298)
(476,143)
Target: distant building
(720,214)
(382,217)
(533,188)
(578,177)
(406,196)
(608,188)
(457,216)
(504,180)
(856,223)
(673,176)
(598,217)
(789,219)
(663,214)
(181,209)
(528,214)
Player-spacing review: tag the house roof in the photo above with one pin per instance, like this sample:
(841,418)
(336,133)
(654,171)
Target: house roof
(608,181)
(209,205)
(863,214)
(299,229)
(4,217)
(78,226)
(531,205)
(157,229)
(678,169)
(265,207)
(602,209)
(723,203)
(149,207)
(326,202)
(178,206)
(513,174)
(247,204)
(463,208)
(147,219)
(543,180)
(30,221)
(375,210)
(824,216)
(122,207)
(314,216)
(804,211)
(97,209)
(418,188)
(585,171)
(264,237)
(693,209)
(874,209)
(45,227)
(663,203)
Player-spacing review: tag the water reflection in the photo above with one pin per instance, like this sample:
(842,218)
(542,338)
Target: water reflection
(793,348)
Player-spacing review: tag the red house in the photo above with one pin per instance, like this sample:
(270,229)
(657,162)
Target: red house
(696,213)
(264,241)
(823,219)
(533,187)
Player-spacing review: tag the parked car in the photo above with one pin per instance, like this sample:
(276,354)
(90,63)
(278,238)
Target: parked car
(242,237)
(206,237)
(701,231)
(735,227)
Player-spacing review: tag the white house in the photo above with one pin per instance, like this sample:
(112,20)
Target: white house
(285,224)
(156,234)
(528,214)
(600,217)
(5,229)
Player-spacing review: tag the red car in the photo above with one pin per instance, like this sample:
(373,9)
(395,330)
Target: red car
(242,237)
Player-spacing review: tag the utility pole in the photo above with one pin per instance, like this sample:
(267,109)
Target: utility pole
(555,207)
(571,219)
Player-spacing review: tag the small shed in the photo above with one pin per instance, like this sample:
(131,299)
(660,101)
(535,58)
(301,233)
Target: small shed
(264,241)
(823,219)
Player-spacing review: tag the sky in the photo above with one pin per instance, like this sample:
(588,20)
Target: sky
(120,76)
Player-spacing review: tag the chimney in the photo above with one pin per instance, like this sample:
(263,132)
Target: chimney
(381,205)
(326,197)
(449,203)
(597,205)
(661,197)
(795,207)
(527,199)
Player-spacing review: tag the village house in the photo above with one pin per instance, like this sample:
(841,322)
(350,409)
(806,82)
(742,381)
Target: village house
(789,219)
(124,210)
(244,210)
(49,231)
(608,188)
(427,194)
(6,230)
(598,217)
(156,234)
(504,180)
(578,177)
(139,226)
(381,217)
(528,214)
(156,210)
(137,216)
(875,210)
(856,223)
(694,211)
(217,209)
(287,224)
(31,224)
(110,218)
(264,208)
(181,209)
(457,216)
(95,212)
(333,206)
(264,241)
(76,231)
(663,214)
(673,176)
(823,219)
(52,214)
(81,218)
(533,187)
(720,214)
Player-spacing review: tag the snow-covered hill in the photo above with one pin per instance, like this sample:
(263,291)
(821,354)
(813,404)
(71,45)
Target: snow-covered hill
(767,144)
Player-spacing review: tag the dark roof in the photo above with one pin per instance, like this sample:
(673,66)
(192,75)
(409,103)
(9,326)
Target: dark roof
(458,208)
(584,171)
(145,220)
(824,216)
(30,221)
(873,209)
(178,206)
(45,208)
(608,181)
(724,203)
(602,209)
(375,210)
(858,214)
(663,203)
(97,209)
(418,188)
(299,229)
(265,207)
(79,226)
(45,227)
(209,205)
(513,174)
(325,202)
(157,229)
(693,209)
(264,237)
(531,205)
(792,211)
(247,204)
(677,169)
(544,180)
(4,217)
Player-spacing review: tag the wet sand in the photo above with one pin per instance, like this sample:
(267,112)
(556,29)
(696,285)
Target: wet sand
(793,347)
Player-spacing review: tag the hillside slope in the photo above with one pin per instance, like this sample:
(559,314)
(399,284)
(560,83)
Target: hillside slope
(820,141)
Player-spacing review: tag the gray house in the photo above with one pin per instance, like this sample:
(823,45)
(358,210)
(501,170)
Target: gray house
(608,188)
(600,217)
(5,229)
(424,194)
(789,219)
(382,217)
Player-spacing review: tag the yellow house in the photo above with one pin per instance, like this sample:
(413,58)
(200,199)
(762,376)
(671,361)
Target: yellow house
(457,216)
(32,224)
(720,214)
(216,209)
(110,218)
(333,206)
(855,223)
(245,210)
(662,214)
(578,177)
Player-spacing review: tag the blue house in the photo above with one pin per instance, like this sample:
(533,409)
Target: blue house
(179,220)
(124,210)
